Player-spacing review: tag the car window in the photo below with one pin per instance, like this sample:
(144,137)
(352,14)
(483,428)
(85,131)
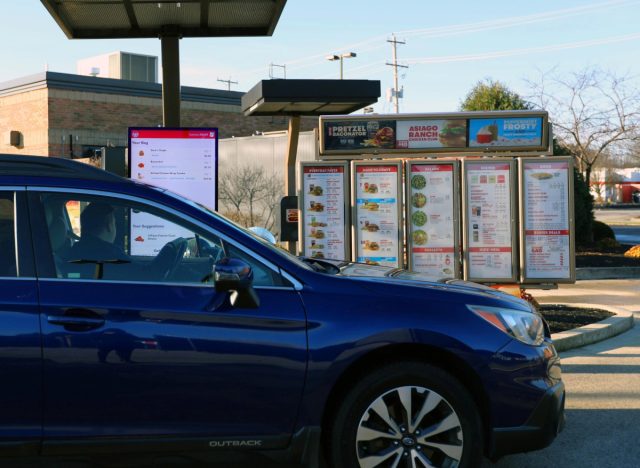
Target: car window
(7,235)
(105,238)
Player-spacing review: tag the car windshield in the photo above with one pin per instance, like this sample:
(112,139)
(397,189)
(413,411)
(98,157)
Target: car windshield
(274,248)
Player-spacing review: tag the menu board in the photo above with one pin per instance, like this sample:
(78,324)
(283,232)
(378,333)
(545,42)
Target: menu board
(182,160)
(489,237)
(546,218)
(419,134)
(512,132)
(359,134)
(431,219)
(324,214)
(376,224)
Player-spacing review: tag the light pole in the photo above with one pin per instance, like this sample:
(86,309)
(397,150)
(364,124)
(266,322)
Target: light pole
(341,57)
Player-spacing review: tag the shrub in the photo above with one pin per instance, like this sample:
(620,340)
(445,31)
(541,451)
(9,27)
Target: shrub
(583,201)
(607,243)
(602,231)
(583,209)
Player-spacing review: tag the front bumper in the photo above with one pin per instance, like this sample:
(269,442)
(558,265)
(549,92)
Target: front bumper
(545,423)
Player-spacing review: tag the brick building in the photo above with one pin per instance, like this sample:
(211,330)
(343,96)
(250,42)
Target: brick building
(66,115)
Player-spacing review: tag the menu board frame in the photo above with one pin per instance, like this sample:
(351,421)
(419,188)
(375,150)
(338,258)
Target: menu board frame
(346,206)
(455,214)
(367,136)
(131,134)
(522,221)
(513,191)
(355,234)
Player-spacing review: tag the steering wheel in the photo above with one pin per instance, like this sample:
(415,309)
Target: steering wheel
(169,257)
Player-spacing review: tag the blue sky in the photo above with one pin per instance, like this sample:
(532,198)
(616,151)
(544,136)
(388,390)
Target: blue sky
(449,45)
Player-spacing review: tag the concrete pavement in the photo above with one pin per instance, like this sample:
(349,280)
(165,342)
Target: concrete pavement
(618,217)
(603,389)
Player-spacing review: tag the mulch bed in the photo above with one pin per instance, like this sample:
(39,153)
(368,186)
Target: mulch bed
(591,257)
(562,317)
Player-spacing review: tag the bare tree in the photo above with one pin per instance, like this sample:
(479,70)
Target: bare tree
(250,196)
(593,112)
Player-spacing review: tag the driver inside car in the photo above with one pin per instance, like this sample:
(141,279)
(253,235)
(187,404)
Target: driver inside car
(102,258)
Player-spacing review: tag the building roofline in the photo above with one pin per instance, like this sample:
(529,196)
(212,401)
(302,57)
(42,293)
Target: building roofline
(92,84)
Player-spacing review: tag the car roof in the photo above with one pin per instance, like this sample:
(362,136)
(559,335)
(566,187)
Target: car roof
(42,166)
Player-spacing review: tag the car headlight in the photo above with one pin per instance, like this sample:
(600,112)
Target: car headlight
(524,326)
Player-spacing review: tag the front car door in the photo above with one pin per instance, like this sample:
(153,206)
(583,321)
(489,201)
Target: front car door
(143,346)
(20,350)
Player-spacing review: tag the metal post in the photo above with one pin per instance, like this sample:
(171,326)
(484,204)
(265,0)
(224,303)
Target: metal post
(290,164)
(170,80)
(341,60)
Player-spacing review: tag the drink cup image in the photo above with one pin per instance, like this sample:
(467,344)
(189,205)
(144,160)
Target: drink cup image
(484,136)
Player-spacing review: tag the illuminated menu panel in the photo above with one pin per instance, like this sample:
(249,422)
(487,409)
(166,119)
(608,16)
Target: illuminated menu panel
(377,214)
(324,215)
(489,228)
(181,160)
(547,246)
(431,219)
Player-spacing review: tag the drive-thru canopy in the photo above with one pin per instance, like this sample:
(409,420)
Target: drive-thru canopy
(168,20)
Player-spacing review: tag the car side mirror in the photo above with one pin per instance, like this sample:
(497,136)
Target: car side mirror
(236,277)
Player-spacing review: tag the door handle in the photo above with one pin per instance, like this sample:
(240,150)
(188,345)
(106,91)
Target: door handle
(76,323)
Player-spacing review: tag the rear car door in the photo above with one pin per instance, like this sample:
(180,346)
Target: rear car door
(20,350)
(143,349)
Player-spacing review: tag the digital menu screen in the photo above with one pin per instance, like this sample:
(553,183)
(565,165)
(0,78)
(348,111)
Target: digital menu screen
(489,230)
(182,160)
(431,219)
(377,214)
(359,134)
(547,246)
(324,216)
(420,134)
(512,132)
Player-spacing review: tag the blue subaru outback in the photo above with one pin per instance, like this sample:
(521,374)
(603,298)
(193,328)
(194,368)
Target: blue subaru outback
(118,338)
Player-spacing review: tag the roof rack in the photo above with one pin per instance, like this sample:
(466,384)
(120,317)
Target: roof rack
(42,166)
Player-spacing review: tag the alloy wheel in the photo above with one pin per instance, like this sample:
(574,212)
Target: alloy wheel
(409,426)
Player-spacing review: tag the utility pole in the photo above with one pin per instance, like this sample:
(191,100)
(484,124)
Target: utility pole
(229,83)
(395,66)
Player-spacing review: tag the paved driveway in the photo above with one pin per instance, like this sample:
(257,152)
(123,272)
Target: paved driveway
(603,390)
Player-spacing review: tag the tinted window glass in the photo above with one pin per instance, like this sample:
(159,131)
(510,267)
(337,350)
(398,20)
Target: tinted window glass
(7,235)
(107,238)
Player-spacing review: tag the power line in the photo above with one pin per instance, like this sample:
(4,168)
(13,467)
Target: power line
(464,28)
(530,50)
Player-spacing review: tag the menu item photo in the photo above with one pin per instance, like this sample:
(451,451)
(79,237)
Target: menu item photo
(418,182)
(454,134)
(383,138)
(420,237)
(418,200)
(419,218)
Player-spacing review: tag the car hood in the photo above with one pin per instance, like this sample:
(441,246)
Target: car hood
(375,275)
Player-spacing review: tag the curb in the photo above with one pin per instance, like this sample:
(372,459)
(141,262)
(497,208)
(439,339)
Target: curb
(607,273)
(594,332)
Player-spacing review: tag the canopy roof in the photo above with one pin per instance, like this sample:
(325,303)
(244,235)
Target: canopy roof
(117,19)
(309,97)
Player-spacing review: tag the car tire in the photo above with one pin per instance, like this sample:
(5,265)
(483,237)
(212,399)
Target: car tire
(371,427)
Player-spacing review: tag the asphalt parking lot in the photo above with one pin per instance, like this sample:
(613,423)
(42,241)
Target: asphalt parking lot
(603,389)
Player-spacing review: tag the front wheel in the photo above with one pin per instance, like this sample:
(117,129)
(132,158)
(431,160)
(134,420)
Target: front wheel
(406,415)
